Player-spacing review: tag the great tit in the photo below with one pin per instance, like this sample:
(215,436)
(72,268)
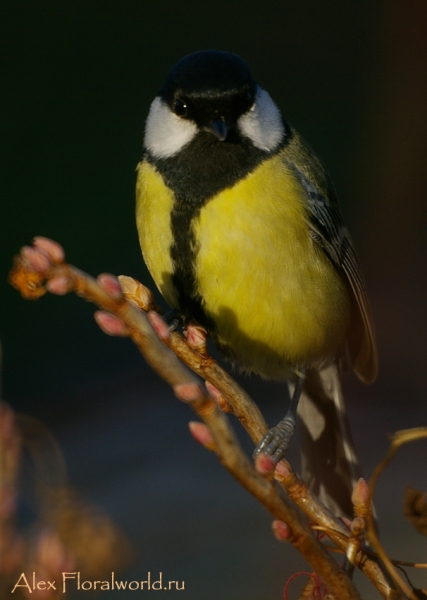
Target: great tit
(240,229)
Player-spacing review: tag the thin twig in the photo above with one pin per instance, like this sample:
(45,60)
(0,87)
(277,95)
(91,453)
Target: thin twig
(399,439)
(42,268)
(252,420)
(243,407)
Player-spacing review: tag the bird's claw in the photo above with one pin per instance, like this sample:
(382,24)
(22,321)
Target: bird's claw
(276,441)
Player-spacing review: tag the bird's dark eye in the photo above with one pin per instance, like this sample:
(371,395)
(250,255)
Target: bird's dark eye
(180,107)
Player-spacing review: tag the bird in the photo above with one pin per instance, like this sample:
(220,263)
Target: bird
(239,226)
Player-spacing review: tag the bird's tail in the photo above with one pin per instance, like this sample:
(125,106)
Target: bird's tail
(329,462)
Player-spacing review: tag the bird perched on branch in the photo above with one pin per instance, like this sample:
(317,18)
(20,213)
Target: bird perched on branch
(239,226)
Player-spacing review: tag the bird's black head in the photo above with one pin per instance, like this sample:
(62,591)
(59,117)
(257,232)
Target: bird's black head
(211,102)
(211,88)
(208,73)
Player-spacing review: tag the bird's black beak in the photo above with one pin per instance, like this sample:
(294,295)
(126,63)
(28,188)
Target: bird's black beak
(218,128)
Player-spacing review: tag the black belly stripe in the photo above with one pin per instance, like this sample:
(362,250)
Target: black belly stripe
(196,174)
(183,253)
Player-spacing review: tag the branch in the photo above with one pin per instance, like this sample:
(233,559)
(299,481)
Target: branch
(42,268)
(252,420)
(197,359)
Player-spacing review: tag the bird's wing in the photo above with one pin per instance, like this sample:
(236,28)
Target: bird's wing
(329,232)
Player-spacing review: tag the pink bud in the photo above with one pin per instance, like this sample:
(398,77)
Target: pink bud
(281,531)
(188,392)
(201,433)
(360,492)
(213,391)
(264,464)
(159,325)
(52,249)
(219,398)
(59,285)
(110,284)
(110,324)
(38,261)
(196,336)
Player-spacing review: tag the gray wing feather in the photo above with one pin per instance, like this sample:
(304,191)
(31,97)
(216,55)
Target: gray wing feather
(329,232)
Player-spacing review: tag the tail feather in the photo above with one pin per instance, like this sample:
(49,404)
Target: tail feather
(329,462)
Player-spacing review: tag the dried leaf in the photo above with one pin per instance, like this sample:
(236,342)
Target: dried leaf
(415,509)
(29,283)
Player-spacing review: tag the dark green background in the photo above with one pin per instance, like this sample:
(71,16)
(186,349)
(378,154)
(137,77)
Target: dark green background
(76,81)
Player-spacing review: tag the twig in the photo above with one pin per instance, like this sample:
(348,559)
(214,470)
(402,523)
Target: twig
(247,411)
(398,439)
(42,268)
(243,407)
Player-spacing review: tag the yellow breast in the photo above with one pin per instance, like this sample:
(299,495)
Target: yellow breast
(277,302)
(154,202)
(273,294)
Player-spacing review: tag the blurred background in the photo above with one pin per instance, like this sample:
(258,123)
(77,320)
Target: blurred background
(77,78)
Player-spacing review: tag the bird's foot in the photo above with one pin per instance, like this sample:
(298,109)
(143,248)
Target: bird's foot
(277,440)
(173,319)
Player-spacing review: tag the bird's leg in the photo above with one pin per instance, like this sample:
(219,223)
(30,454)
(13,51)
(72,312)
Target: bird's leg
(276,441)
(173,319)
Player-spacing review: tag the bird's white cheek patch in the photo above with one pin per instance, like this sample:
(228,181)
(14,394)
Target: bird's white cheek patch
(165,132)
(262,124)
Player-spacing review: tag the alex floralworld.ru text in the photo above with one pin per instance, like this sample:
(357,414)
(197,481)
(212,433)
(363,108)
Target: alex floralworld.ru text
(74,581)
